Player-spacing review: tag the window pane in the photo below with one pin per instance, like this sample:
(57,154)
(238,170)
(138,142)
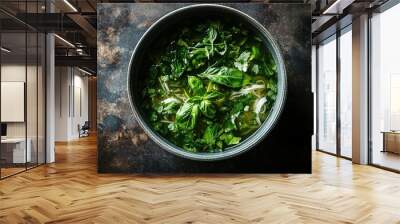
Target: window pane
(313,87)
(31,97)
(15,150)
(386,88)
(345,94)
(41,98)
(327,96)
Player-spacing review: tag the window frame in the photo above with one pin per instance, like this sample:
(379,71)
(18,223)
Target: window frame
(338,34)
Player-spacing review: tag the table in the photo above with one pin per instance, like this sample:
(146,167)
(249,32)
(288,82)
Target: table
(18,149)
(391,141)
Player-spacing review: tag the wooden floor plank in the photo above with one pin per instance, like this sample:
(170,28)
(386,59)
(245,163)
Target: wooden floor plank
(71,191)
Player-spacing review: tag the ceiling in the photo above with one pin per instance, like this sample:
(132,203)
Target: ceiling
(75,21)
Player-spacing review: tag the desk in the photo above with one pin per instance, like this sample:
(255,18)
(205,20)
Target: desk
(391,141)
(18,149)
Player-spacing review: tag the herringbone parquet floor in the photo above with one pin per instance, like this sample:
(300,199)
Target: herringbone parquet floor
(71,191)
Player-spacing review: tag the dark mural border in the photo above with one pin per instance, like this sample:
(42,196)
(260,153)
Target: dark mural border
(123,146)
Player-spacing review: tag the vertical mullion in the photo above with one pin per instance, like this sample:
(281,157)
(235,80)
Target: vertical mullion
(369,91)
(26,86)
(69,92)
(0,89)
(45,89)
(338,93)
(47,4)
(37,88)
(317,96)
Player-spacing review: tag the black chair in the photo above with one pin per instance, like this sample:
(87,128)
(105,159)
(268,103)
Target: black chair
(84,130)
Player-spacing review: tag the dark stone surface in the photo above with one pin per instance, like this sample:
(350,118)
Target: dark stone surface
(124,147)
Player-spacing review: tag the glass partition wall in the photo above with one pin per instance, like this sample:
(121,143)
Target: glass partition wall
(334,93)
(345,89)
(327,95)
(385,89)
(22,78)
(13,86)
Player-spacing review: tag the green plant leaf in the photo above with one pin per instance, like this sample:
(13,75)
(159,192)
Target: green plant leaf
(242,62)
(230,139)
(169,105)
(186,116)
(196,85)
(213,95)
(210,135)
(207,109)
(230,77)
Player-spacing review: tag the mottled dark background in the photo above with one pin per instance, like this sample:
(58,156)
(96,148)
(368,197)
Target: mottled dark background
(124,147)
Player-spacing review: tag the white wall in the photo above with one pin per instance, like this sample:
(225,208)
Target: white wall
(33,126)
(16,73)
(80,110)
(9,73)
(13,101)
(71,102)
(314,90)
(50,95)
(62,81)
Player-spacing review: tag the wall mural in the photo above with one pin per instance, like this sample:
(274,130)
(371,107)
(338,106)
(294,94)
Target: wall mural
(204,88)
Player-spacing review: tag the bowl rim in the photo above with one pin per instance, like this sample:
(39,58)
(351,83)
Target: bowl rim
(250,141)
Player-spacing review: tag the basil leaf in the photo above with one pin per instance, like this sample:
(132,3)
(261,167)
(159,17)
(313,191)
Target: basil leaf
(207,109)
(229,77)
(242,62)
(230,139)
(169,105)
(213,95)
(210,135)
(186,116)
(196,85)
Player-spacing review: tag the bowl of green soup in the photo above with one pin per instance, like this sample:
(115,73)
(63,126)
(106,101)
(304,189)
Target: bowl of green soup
(207,82)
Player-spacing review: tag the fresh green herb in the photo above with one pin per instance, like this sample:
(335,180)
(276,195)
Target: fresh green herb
(230,77)
(210,85)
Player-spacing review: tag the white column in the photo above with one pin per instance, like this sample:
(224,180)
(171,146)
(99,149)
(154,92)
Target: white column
(50,100)
(360,90)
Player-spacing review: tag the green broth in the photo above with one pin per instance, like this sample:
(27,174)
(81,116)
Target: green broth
(209,85)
